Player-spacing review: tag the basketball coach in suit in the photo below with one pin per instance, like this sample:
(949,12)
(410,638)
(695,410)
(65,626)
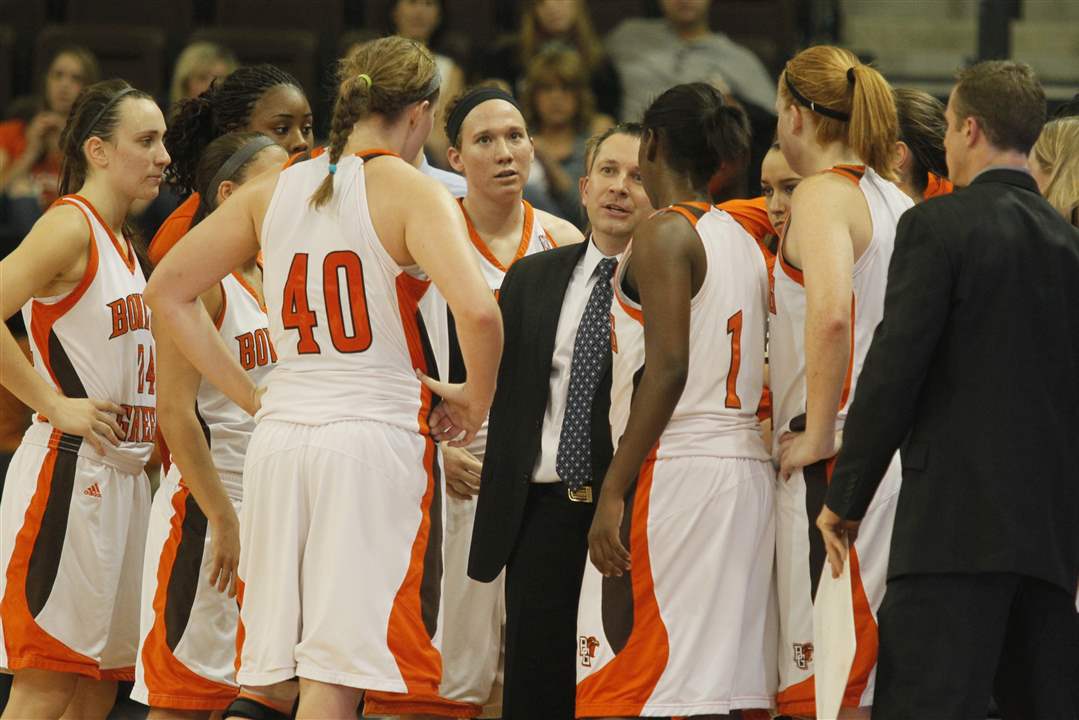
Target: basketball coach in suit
(549,437)
(975,370)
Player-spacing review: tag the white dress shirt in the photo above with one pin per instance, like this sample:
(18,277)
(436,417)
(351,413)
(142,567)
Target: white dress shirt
(573,304)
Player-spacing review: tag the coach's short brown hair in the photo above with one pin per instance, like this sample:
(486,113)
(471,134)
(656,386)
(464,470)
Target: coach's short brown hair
(1007,100)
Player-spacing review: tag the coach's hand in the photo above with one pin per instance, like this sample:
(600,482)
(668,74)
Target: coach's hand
(605,546)
(459,412)
(224,549)
(92,419)
(838,534)
(462,472)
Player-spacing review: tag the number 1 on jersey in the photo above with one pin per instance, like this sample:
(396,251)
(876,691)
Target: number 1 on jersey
(734,329)
(296,312)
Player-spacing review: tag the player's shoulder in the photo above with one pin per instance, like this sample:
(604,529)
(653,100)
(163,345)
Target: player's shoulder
(562,231)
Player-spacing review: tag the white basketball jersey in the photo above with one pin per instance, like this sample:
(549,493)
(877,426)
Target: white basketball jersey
(717,412)
(534,239)
(244,327)
(343,315)
(786,355)
(95,342)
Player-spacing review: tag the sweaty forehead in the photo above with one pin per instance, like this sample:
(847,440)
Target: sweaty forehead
(492,116)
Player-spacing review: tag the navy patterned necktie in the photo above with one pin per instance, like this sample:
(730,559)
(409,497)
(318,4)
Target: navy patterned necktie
(591,353)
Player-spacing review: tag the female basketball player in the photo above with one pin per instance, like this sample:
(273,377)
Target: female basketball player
(673,613)
(76,501)
(490,146)
(921,170)
(341,533)
(262,99)
(837,129)
(186,665)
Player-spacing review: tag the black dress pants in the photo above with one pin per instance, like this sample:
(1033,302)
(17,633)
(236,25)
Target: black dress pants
(543,585)
(949,642)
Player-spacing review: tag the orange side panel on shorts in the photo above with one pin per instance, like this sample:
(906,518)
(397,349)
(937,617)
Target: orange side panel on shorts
(241,632)
(865,630)
(388,704)
(623,686)
(417,658)
(419,662)
(168,681)
(27,644)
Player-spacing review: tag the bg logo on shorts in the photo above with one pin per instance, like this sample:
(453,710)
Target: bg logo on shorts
(587,647)
(803,655)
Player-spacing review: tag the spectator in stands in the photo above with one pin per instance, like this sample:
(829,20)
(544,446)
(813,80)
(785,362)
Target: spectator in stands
(922,168)
(1054,163)
(29,141)
(560,109)
(198,65)
(652,54)
(560,23)
(424,22)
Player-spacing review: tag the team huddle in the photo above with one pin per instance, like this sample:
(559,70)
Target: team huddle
(316,353)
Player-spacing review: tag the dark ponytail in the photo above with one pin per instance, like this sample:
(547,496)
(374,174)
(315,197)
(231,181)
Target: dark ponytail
(922,127)
(701,133)
(225,107)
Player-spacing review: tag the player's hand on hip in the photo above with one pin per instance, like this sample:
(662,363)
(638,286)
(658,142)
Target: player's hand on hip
(838,534)
(459,416)
(90,418)
(605,546)
(462,471)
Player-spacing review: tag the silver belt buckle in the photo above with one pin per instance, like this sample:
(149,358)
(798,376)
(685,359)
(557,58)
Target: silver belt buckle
(582,494)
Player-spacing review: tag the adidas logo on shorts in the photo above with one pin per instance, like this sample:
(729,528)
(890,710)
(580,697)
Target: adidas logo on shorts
(93,491)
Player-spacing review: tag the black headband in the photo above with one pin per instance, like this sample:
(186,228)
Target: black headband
(819,109)
(101,113)
(238,159)
(468,103)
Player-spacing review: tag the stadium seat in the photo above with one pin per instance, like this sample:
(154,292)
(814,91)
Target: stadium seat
(135,53)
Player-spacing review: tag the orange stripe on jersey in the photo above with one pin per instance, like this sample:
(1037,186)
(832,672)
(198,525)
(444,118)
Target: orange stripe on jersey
(937,186)
(853,173)
(301,156)
(250,290)
(372,153)
(623,686)
(27,644)
(126,254)
(481,246)
(633,312)
(220,318)
(792,272)
(175,227)
(170,683)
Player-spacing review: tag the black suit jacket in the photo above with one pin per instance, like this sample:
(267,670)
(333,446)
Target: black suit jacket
(975,370)
(531,302)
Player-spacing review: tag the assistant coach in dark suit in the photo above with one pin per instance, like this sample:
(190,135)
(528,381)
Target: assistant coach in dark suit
(974,370)
(549,437)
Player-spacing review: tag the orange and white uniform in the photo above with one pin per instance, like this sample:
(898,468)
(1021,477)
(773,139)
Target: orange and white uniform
(341,527)
(73,522)
(475,612)
(690,629)
(800,551)
(187,656)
